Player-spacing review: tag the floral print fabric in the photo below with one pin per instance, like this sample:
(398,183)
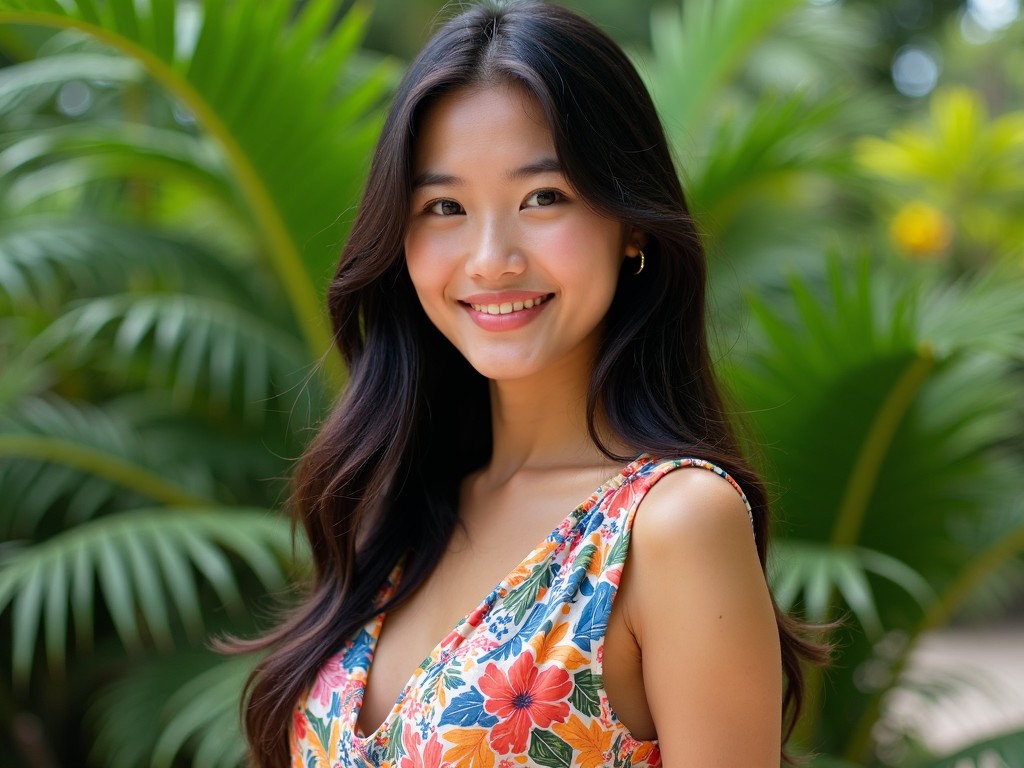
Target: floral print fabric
(518,681)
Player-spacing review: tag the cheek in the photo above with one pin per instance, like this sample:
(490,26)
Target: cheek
(422,259)
(588,252)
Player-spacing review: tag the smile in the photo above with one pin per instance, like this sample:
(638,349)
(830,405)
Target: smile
(508,307)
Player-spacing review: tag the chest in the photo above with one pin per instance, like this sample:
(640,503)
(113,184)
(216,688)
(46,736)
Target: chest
(519,675)
(484,550)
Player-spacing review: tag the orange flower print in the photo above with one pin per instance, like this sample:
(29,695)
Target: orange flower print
(590,740)
(524,697)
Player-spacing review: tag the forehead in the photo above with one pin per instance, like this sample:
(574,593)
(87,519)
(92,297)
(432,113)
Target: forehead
(493,122)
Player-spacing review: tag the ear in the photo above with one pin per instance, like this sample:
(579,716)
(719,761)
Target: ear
(636,241)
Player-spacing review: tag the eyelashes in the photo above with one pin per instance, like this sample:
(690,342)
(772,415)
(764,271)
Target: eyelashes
(542,198)
(444,207)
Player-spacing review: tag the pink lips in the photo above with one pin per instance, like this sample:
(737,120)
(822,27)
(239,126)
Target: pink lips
(508,321)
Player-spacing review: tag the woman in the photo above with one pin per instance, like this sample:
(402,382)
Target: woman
(521,308)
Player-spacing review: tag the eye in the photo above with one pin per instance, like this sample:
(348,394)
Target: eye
(445,208)
(542,198)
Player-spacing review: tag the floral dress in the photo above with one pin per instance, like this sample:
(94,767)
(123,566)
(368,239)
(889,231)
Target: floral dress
(518,681)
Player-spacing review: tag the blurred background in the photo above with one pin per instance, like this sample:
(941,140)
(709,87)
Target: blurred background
(177,178)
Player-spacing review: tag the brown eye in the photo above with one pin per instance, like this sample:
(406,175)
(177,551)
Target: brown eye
(542,198)
(446,208)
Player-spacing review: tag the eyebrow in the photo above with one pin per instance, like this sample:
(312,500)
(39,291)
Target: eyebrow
(544,165)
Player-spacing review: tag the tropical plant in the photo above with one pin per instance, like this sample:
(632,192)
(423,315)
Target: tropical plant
(899,504)
(967,169)
(175,177)
(885,394)
(175,181)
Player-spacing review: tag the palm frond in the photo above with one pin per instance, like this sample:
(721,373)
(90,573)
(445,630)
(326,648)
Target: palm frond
(984,311)
(203,715)
(779,137)
(1003,751)
(184,342)
(48,260)
(146,704)
(888,427)
(145,563)
(28,86)
(818,571)
(55,449)
(703,43)
(264,89)
(46,161)
(819,47)
(895,436)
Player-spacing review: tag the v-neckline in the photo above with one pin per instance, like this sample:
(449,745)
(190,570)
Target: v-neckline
(550,543)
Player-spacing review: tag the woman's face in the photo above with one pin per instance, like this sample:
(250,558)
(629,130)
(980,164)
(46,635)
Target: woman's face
(509,263)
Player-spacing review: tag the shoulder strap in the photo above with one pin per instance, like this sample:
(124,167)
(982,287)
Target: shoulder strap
(650,473)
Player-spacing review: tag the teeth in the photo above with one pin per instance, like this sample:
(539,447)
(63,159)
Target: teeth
(508,306)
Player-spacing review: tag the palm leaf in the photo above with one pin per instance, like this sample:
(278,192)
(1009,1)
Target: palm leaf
(46,161)
(706,43)
(203,714)
(888,426)
(819,571)
(146,704)
(145,563)
(1003,751)
(26,87)
(54,449)
(777,138)
(184,342)
(265,90)
(819,47)
(47,260)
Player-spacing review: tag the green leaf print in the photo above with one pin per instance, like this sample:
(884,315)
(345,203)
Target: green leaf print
(618,552)
(586,692)
(521,599)
(394,741)
(549,750)
(321,728)
(584,557)
(452,675)
(617,751)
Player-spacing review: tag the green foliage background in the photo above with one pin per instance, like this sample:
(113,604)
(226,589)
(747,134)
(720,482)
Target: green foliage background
(176,179)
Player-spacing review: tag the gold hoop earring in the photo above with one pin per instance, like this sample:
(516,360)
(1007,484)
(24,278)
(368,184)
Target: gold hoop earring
(641,267)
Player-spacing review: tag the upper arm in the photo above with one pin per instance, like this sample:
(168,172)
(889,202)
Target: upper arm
(702,616)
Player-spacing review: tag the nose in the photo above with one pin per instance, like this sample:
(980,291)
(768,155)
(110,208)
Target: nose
(495,253)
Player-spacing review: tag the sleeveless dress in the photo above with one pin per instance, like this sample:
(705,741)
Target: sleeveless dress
(518,681)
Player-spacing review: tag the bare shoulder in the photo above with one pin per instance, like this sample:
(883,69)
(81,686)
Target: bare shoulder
(693,508)
(696,602)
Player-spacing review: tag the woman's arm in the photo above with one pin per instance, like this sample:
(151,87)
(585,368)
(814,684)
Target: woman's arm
(700,611)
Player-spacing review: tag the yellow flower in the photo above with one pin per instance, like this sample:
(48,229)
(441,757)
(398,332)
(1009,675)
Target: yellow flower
(921,230)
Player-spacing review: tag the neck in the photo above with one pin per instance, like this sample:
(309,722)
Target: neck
(541,423)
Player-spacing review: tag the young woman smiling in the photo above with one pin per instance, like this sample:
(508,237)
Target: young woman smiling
(521,307)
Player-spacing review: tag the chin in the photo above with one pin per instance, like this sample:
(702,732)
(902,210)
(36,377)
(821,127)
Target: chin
(502,368)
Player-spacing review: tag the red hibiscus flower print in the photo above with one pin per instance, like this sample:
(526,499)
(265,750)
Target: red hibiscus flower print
(420,755)
(299,723)
(526,696)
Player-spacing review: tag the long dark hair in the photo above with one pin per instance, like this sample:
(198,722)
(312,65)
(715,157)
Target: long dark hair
(379,481)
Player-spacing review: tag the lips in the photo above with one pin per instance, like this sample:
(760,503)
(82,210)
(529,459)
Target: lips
(504,311)
(508,307)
